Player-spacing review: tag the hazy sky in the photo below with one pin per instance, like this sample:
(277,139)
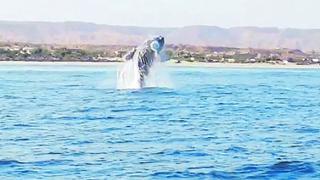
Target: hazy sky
(168,13)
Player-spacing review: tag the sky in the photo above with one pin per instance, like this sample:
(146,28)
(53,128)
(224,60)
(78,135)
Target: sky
(168,13)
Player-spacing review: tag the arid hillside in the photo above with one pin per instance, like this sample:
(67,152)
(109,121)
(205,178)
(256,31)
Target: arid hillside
(95,34)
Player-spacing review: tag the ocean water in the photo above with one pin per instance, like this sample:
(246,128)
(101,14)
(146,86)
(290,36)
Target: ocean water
(72,123)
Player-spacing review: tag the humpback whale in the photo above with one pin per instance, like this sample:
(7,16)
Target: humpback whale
(143,58)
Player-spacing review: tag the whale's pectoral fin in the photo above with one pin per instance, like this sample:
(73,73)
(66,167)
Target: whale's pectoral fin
(144,72)
(130,54)
(142,81)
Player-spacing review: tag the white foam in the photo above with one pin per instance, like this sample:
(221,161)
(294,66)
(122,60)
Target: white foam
(128,75)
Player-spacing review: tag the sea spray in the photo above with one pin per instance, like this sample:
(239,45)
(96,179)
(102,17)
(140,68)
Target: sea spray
(159,75)
(128,74)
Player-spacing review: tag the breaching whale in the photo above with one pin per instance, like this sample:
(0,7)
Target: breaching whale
(142,59)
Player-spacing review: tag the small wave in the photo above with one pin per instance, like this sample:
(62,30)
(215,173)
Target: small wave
(50,162)
(307,130)
(82,142)
(37,163)
(90,109)
(235,149)
(142,109)
(20,139)
(84,118)
(189,174)
(9,97)
(9,162)
(182,153)
(292,166)
(73,85)
(22,125)
(278,169)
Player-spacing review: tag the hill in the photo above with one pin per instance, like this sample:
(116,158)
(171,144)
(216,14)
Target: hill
(97,34)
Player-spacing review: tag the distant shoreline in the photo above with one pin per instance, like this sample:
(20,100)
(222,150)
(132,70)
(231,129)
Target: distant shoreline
(244,65)
(169,64)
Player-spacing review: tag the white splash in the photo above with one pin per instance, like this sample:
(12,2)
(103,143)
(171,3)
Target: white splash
(128,75)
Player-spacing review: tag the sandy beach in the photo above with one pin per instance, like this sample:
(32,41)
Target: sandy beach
(241,65)
(170,64)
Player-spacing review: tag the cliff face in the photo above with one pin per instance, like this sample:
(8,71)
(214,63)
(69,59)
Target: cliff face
(89,33)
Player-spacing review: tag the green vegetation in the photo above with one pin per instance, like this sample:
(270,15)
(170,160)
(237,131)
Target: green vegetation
(32,52)
(90,53)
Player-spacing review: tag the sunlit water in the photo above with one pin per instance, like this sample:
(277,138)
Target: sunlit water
(72,123)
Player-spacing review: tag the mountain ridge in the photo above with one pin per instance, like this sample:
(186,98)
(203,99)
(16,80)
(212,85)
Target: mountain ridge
(74,32)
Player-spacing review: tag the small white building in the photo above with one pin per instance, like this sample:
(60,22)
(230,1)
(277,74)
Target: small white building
(285,62)
(27,50)
(231,60)
(252,60)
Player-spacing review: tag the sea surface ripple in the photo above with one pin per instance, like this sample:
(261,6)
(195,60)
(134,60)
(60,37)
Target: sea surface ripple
(72,123)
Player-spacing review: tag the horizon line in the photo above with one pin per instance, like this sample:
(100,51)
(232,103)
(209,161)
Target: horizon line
(156,27)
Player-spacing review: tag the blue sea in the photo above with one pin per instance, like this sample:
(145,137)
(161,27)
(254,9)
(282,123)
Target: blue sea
(71,122)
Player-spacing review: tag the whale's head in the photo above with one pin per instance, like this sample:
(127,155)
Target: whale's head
(156,44)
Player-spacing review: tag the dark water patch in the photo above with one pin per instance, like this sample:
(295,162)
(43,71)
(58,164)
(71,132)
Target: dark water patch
(236,149)
(84,110)
(73,85)
(209,138)
(54,153)
(87,164)
(137,109)
(6,115)
(150,161)
(282,168)
(151,90)
(224,93)
(69,118)
(307,130)
(179,139)
(76,154)
(305,86)
(182,153)
(120,141)
(10,97)
(201,167)
(299,105)
(23,125)
(51,162)
(227,104)
(26,172)
(291,166)
(193,175)
(281,98)
(96,118)
(178,120)
(82,142)
(78,76)
(119,110)
(264,85)
(83,118)
(107,130)
(10,163)
(312,143)
(20,139)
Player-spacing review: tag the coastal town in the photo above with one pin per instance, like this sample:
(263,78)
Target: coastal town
(175,53)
